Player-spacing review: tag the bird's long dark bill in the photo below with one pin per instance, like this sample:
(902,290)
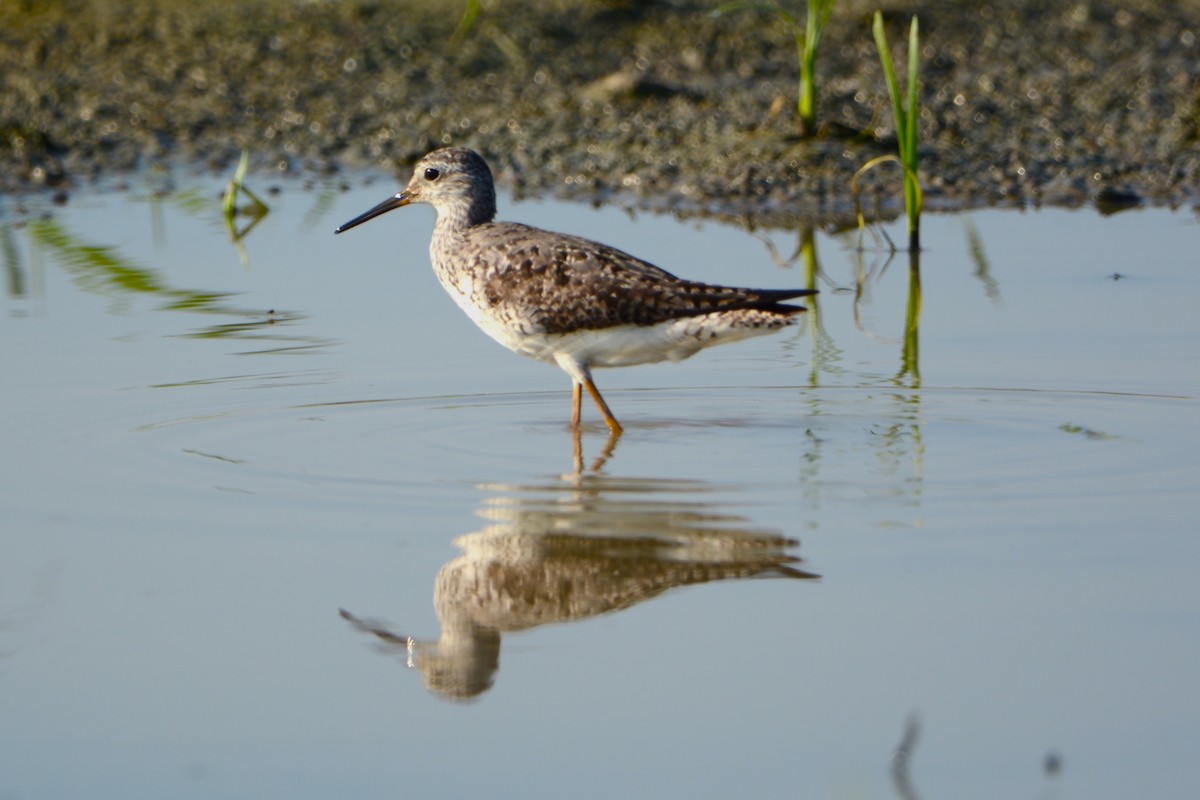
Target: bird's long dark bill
(395,201)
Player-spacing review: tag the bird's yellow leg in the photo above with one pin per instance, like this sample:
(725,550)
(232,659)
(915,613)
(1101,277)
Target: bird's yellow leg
(613,426)
(576,402)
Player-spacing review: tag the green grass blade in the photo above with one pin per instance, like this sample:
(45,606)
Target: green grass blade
(465,22)
(819,12)
(912,186)
(907,112)
(889,73)
(816,19)
(807,38)
(229,204)
(910,132)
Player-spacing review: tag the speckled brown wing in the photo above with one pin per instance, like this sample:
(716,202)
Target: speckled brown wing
(564,283)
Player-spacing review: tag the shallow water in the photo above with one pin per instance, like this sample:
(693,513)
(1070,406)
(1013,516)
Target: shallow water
(238,479)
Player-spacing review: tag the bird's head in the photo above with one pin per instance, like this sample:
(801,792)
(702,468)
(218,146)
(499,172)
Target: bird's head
(454,180)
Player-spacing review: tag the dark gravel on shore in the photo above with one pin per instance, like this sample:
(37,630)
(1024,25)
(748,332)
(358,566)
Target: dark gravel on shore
(659,104)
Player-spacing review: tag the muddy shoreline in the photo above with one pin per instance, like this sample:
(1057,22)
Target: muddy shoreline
(660,105)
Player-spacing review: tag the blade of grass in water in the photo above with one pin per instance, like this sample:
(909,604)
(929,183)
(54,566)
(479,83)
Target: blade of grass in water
(256,210)
(906,112)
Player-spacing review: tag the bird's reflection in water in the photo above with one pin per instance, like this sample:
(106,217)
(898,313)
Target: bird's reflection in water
(572,548)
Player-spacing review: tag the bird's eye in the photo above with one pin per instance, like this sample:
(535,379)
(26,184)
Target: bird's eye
(432,174)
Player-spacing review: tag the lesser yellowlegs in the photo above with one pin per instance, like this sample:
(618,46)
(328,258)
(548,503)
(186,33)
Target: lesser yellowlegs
(567,300)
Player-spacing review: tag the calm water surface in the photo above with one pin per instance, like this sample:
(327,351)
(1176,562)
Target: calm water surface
(237,480)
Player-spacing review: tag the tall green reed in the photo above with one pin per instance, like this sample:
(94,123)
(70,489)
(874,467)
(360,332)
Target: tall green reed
(906,110)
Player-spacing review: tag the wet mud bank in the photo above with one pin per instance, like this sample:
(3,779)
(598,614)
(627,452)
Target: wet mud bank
(657,104)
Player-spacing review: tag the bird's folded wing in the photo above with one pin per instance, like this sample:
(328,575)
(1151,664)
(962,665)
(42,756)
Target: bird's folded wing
(567,284)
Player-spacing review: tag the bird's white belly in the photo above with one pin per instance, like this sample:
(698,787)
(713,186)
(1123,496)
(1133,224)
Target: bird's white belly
(624,345)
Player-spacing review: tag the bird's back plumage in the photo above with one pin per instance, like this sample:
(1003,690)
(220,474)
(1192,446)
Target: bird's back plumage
(563,283)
